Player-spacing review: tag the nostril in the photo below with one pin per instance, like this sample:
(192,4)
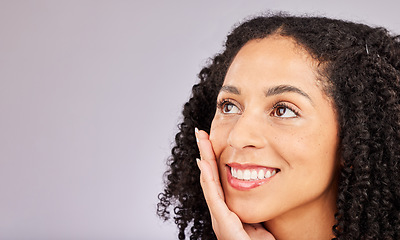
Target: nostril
(249,146)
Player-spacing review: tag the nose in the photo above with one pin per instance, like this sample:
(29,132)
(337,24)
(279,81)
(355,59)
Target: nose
(249,131)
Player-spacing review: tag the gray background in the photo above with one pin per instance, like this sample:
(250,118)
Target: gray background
(90,96)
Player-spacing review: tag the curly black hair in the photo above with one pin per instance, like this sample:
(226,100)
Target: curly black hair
(360,66)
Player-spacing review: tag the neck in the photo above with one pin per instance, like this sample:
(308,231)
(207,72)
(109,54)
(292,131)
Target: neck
(313,221)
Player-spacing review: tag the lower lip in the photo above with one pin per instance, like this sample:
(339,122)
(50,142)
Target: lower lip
(244,185)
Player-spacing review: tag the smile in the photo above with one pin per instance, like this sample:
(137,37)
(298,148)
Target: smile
(246,177)
(252,174)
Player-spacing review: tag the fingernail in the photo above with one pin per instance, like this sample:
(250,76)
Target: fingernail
(198,162)
(196,130)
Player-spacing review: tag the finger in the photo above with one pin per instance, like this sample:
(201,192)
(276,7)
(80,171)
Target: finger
(226,224)
(207,152)
(204,144)
(211,189)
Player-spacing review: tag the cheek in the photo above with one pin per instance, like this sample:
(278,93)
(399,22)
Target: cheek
(219,133)
(310,146)
(316,153)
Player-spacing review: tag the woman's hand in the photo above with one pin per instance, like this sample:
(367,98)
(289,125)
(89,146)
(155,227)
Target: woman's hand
(226,224)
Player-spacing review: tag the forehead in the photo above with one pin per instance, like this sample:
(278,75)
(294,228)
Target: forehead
(272,59)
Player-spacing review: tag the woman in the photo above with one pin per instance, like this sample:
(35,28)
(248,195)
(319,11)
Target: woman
(299,139)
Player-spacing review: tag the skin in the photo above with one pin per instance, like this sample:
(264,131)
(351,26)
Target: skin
(292,129)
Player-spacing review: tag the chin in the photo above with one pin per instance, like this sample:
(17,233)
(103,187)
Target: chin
(247,217)
(247,214)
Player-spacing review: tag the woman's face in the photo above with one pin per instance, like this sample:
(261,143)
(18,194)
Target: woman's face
(275,134)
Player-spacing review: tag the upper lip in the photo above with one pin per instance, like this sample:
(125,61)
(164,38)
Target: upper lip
(248,166)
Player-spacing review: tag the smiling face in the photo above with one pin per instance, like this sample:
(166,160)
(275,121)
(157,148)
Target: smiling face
(275,135)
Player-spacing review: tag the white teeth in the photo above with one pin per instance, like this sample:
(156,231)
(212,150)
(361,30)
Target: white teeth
(246,174)
(251,174)
(239,174)
(234,173)
(261,174)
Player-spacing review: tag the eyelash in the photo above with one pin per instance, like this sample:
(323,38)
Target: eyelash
(223,102)
(284,105)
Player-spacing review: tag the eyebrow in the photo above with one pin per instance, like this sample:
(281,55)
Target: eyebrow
(270,91)
(285,88)
(230,89)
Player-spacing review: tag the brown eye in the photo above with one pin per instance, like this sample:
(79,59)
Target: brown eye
(280,111)
(283,112)
(230,108)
